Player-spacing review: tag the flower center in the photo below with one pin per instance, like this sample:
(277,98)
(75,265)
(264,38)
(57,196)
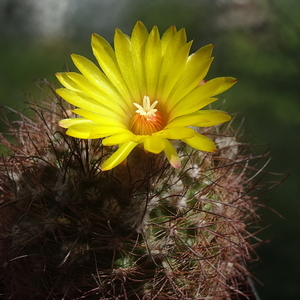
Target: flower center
(147,119)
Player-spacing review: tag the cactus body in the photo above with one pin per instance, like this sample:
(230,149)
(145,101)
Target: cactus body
(141,231)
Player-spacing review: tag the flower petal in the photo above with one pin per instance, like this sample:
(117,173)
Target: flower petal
(117,157)
(83,101)
(103,120)
(66,123)
(175,70)
(89,70)
(200,96)
(172,155)
(80,128)
(154,144)
(166,38)
(225,84)
(192,105)
(209,118)
(119,138)
(197,67)
(104,131)
(138,40)
(192,76)
(67,82)
(176,133)
(86,129)
(89,129)
(152,61)
(124,57)
(108,62)
(202,118)
(103,94)
(201,142)
(203,53)
(172,42)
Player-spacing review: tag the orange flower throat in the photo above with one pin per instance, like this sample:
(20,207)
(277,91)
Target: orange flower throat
(147,119)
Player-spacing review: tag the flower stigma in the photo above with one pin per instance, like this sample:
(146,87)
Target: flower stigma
(147,119)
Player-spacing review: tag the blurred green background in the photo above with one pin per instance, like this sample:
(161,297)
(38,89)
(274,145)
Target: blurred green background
(257,41)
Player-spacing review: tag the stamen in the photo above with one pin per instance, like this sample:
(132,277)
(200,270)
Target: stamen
(147,119)
(146,109)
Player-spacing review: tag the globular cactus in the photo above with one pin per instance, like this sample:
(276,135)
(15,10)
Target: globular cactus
(142,230)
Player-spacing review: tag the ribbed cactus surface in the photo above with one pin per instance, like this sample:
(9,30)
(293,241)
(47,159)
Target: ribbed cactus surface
(143,230)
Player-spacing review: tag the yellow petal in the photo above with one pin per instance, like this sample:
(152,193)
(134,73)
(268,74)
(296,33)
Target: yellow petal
(154,144)
(190,104)
(87,129)
(227,83)
(66,123)
(209,118)
(202,118)
(83,101)
(167,37)
(103,120)
(91,71)
(108,63)
(176,133)
(103,94)
(117,157)
(172,155)
(119,138)
(78,134)
(201,142)
(177,41)
(193,75)
(197,67)
(175,71)
(81,129)
(124,57)
(172,42)
(104,131)
(139,34)
(203,53)
(138,40)
(200,96)
(152,61)
(67,82)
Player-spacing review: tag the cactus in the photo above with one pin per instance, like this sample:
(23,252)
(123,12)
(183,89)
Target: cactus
(142,230)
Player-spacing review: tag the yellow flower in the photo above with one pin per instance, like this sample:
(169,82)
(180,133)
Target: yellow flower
(148,91)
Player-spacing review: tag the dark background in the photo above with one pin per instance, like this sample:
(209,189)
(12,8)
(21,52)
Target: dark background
(256,41)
